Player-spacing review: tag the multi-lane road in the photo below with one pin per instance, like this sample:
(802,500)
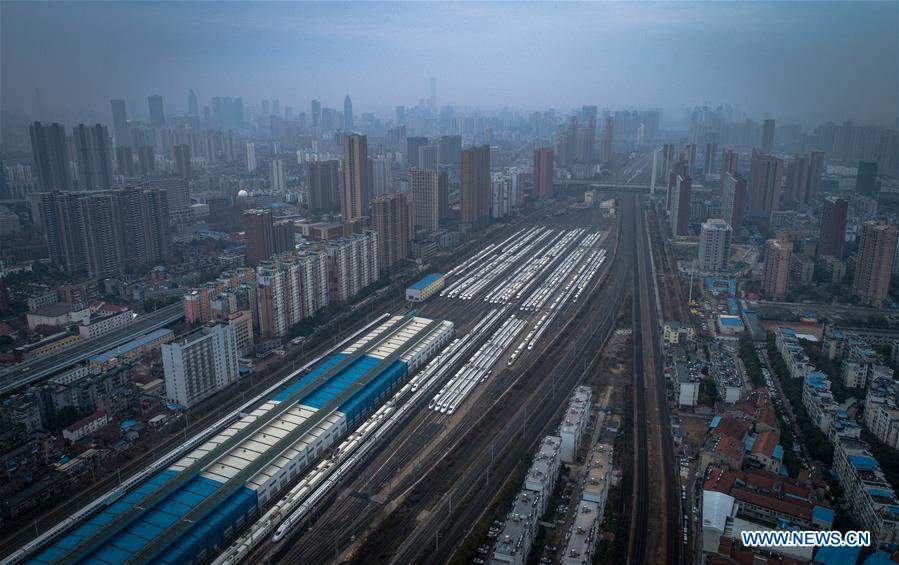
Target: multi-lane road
(29,372)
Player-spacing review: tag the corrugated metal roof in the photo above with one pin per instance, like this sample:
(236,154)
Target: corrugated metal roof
(423,283)
(133,344)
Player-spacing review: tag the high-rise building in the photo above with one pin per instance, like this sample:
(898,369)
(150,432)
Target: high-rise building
(433,85)
(765,174)
(605,146)
(146,160)
(429,157)
(278,180)
(767,136)
(178,195)
(283,237)
(183,165)
(124,161)
(690,157)
(93,152)
(324,186)
(450,149)
(347,113)
(584,139)
(382,175)
(503,195)
(776,272)
(733,200)
(676,170)
(316,116)
(797,180)
(400,115)
(355,199)
(413,144)
(709,162)
(815,170)
(833,227)
(100,232)
(51,156)
(396,138)
(260,235)
(424,185)
(874,262)
(200,364)
(476,185)
(680,205)
(391,220)
(157,113)
(714,245)
(145,225)
(120,123)
(353,264)
(193,105)
(730,161)
(543,172)
(866,180)
(251,157)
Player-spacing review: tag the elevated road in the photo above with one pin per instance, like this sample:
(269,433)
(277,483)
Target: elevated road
(30,372)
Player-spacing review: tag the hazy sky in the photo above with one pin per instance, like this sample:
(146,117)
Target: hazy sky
(808,60)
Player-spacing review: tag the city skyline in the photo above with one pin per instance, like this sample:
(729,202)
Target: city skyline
(528,56)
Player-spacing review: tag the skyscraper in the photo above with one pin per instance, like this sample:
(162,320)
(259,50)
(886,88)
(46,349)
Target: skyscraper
(680,205)
(797,180)
(145,225)
(433,85)
(124,161)
(714,245)
(605,145)
(260,235)
(733,200)
(475,185)
(866,180)
(874,262)
(51,156)
(324,186)
(833,226)
(765,174)
(316,116)
(690,157)
(776,271)
(120,123)
(183,166)
(425,189)
(193,105)
(347,113)
(251,157)
(768,136)
(709,161)
(450,149)
(429,157)
(392,222)
(815,170)
(157,114)
(730,161)
(543,172)
(146,160)
(278,180)
(413,144)
(356,196)
(93,152)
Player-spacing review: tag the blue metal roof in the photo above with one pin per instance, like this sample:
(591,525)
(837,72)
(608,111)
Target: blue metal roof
(778,452)
(863,462)
(715,421)
(133,344)
(209,531)
(822,513)
(423,283)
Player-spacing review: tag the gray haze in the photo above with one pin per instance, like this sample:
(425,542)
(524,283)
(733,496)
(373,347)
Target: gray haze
(810,61)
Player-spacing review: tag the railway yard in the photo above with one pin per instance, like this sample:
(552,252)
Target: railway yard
(390,446)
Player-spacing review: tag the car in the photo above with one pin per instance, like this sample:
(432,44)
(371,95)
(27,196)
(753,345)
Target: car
(477,560)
